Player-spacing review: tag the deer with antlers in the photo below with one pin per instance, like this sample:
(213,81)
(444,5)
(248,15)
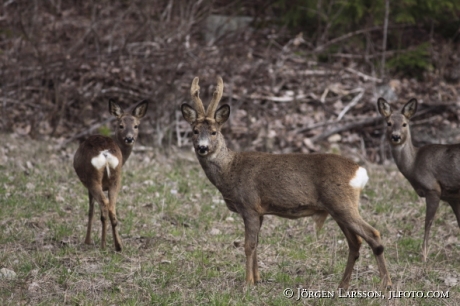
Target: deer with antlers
(254,184)
(432,170)
(98,163)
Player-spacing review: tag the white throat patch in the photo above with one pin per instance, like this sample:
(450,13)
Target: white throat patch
(105,159)
(360,179)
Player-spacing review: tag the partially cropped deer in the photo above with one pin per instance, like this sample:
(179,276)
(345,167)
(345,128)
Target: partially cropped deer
(432,170)
(254,184)
(98,163)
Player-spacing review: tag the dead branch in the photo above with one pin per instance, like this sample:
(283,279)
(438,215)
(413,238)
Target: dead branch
(347,127)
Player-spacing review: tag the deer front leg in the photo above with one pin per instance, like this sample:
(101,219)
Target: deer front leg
(455,204)
(90,218)
(432,204)
(252,224)
(255,266)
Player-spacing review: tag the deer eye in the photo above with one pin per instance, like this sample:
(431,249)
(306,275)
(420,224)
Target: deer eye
(213,133)
(136,126)
(389,123)
(121,126)
(195,132)
(404,124)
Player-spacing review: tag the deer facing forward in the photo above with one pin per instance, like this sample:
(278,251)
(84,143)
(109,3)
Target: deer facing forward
(432,170)
(254,184)
(98,163)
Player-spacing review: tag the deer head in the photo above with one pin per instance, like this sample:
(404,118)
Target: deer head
(398,123)
(127,124)
(206,125)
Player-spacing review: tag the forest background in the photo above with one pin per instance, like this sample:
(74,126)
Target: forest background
(300,76)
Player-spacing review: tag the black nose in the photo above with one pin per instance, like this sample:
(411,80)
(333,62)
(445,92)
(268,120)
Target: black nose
(129,139)
(202,149)
(396,137)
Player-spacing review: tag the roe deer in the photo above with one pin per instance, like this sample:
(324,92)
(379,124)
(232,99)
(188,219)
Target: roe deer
(254,184)
(432,170)
(98,163)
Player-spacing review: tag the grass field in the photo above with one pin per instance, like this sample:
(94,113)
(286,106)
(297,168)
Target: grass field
(182,246)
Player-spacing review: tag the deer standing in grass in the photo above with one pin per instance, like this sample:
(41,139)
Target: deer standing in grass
(98,163)
(432,170)
(254,184)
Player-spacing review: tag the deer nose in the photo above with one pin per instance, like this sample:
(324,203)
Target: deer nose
(396,137)
(129,139)
(202,149)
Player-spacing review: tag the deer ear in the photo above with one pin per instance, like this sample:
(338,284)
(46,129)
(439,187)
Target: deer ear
(222,114)
(384,107)
(141,109)
(188,112)
(410,108)
(115,109)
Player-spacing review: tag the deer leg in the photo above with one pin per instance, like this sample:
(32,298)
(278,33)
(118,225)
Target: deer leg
(372,237)
(432,204)
(357,226)
(113,191)
(455,204)
(255,266)
(354,244)
(100,198)
(90,218)
(251,232)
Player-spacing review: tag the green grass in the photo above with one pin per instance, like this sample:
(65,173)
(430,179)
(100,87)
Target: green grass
(182,246)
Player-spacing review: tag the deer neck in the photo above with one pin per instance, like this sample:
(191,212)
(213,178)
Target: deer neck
(404,156)
(125,150)
(217,164)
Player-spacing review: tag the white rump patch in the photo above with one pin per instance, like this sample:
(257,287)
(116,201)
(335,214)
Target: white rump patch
(360,179)
(105,159)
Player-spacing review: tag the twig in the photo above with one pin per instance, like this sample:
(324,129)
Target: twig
(315,126)
(353,102)
(12,101)
(283,99)
(364,76)
(317,72)
(343,37)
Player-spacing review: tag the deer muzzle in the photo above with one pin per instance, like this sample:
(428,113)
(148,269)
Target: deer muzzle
(202,150)
(129,140)
(396,138)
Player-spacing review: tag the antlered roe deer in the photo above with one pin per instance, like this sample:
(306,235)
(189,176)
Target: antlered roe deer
(254,184)
(432,170)
(98,163)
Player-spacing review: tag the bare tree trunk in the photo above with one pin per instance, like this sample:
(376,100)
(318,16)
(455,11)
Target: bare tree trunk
(385,32)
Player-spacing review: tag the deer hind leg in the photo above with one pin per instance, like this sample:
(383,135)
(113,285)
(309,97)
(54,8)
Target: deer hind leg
(252,225)
(354,244)
(100,198)
(372,237)
(113,191)
(90,218)
(432,204)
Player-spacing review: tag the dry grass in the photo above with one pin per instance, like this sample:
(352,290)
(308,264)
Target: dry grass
(183,247)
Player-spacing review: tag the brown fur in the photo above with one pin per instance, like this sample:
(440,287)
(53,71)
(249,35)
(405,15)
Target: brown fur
(432,170)
(255,184)
(98,181)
